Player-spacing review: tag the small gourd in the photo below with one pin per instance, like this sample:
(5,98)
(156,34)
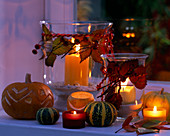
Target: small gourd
(100,114)
(160,99)
(23,100)
(47,116)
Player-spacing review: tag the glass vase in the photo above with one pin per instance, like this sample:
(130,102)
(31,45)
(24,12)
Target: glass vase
(126,74)
(67,75)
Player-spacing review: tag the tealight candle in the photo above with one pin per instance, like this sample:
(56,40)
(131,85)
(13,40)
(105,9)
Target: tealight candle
(154,113)
(74,119)
(128,92)
(129,109)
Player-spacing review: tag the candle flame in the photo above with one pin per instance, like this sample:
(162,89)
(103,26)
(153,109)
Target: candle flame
(77,47)
(128,35)
(132,34)
(155,108)
(89,28)
(136,102)
(90,74)
(74,112)
(72,40)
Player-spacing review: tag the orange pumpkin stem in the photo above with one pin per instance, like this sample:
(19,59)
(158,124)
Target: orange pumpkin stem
(28,78)
(162,90)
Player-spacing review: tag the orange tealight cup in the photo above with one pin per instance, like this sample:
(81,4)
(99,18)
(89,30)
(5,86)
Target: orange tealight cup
(154,114)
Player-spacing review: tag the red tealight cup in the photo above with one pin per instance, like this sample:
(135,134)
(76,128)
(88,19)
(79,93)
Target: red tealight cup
(74,119)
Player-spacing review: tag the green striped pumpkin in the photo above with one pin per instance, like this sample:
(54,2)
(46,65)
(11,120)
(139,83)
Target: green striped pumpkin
(100,114)
(47,116)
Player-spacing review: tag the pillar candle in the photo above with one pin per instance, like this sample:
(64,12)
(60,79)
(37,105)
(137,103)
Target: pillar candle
(76,73)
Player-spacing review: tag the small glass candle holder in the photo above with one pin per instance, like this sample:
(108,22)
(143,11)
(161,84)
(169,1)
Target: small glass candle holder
(74,119)
(124,74)
(154,114)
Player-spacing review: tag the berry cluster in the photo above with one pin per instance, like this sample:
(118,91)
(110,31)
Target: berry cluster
(37,47)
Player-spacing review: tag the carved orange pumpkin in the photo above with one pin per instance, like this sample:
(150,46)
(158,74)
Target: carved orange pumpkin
(23,100)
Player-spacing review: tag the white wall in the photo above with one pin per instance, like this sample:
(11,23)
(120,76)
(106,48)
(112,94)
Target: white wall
(20,30)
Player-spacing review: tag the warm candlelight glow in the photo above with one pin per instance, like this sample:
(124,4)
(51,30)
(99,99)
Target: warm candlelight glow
(128,92)
(128,35)
(76,73)
(72,40)
(154,113)
(155,109)
(132,34)
(73,119)
(89,28)
(77,47)
(136,102)
(74,112)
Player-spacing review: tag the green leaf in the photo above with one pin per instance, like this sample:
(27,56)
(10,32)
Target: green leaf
(45,29)
(151,123)
(49,61)
(56,42)
(61,49)
(48,35)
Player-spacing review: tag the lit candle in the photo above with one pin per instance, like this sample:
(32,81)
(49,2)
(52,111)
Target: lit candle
(128,92)
(76,73)
(74,119)
(78,100)
(154,113)
(130,109)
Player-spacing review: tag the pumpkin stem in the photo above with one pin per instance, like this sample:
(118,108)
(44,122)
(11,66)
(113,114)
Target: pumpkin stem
(162,90)
(28,78)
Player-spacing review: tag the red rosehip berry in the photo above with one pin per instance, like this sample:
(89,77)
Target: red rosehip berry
(37,46)
(34,51)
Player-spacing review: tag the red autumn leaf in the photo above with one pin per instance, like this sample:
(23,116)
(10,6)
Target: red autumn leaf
(126,125)
(96,56)
(129,128)
(85,54)
(128,67)
(127,121)
(138,77)
(139,123)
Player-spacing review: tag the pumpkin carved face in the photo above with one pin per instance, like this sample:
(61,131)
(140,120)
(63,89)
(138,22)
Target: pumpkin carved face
(23,100)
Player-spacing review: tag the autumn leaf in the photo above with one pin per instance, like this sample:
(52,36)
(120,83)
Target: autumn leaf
(85,54)
(126,124)
(142,130)
(128,66)
(129,128)
(152,123)
(48,35)
(49,61)
(96,56)
(138,77)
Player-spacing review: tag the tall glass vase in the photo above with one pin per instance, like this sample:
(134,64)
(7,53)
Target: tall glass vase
(67,40)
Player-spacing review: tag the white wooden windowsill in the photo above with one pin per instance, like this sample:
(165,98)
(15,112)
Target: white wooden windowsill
(12,127)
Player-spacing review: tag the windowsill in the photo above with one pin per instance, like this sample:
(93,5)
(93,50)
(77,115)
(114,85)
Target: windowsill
(10,126)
